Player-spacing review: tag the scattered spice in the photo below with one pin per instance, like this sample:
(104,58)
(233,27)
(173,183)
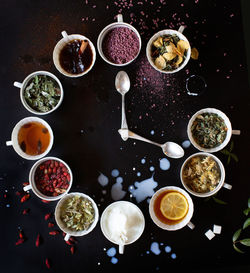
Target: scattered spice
(72,250)
(50,225)
(19,241)
(77,213)
(42,93)
(69,243)
(47,216)
(209,130)
(21,235)
(52,178)
(26,211)
(25,198)
(120,45)
(47,263)
(54,232)
(45,201)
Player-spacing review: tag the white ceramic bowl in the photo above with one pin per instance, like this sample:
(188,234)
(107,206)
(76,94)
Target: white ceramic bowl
(220,184)
(14,138)
(227,123)
(60,45)
(109,27)
(62,226)
(32,185)
(169,32)
(23,85)
(185,221)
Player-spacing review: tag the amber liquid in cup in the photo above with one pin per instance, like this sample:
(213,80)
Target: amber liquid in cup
(33,138)
(158,213)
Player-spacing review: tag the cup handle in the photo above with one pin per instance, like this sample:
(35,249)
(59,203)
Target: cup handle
(236,132)
(119,18)
(181,29)
(9,143)
(18,84)
(27,188)
(67,236)
(227,186)
(64,34)
(121,249)
(190,225)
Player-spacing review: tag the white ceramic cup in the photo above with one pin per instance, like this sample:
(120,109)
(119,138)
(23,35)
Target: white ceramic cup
(14,138)
(109,27)
(227,123)
(184,222)
(179,33)
(62,226)
(23,85)
(222,176)
(60,45)
(135,220)
(32,185)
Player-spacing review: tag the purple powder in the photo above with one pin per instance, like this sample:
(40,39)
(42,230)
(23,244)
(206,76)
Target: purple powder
(120,45)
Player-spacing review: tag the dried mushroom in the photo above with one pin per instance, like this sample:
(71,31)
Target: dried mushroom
(169,52)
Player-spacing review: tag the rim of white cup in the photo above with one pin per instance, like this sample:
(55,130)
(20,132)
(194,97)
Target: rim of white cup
(114,204)
(227,123)
(106,30)
(164,32)
(32,182)
(15,143)
(58,48)
(67,230)
(184,221)
(222,173)
(26,81)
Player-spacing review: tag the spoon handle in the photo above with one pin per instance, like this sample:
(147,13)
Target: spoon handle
(124,124)
(135,136)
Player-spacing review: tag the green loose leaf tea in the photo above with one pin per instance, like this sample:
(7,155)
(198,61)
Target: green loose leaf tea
(77,213)
(42,93)
(209,130)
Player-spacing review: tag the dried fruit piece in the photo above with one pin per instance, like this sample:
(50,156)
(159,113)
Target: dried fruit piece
(160,62)
(182,46)
(179,61)
(169,56)
(194,53)
(158,42)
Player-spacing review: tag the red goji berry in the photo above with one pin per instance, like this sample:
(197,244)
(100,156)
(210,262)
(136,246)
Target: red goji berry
(54,232)
(69,243)
(25,197)
(50,225)
(47,216)
(38,240)
(72,250)
(19,241)
(47,262)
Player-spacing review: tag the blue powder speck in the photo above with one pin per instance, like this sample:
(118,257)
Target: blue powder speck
(173,256)
(168,249)
(138,174)
(143,161)
(152,168)
(111,252)
(115,173)
(114,260)
(119,179)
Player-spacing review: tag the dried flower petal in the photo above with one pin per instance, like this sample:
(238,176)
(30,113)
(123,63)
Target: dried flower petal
(54,232)
(38,240)
(19,241)
(25,197)
(72,250)
(47,216)
(47,262)
(50,224)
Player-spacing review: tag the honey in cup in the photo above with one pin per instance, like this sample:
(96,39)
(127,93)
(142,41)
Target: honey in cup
(33,138)
(170,207)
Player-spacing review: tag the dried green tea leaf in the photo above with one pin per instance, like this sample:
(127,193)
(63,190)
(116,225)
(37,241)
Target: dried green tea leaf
(246,223)
(245,242)
(237,249)
(246,211)
(236,234)
(219,201)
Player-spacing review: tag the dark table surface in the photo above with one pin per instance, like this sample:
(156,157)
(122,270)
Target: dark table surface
(85,130)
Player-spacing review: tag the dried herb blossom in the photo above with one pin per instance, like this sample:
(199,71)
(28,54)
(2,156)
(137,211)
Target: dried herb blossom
(42,93)
(209,130)
(77,213)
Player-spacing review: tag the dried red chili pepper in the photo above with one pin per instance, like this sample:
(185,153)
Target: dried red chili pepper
(25,197)
(69,243)
(21,236)
(19,241)
(72,250)
(38,240)
(50,224)
(47,216)
(54,232)
(47,262)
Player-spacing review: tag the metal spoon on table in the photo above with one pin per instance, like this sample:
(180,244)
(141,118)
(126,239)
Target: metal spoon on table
(122,84)
(170,149)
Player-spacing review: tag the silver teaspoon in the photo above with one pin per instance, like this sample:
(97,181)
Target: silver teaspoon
(122,84)
(170,149)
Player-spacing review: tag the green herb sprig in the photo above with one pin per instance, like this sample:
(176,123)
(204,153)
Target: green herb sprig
(236,235)
(230,154)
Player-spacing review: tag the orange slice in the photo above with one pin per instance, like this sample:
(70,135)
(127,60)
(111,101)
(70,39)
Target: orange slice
(174,206)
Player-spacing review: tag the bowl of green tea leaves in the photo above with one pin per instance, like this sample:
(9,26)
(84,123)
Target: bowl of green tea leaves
(41,92)
(168,51)
(209,130)
(76,214)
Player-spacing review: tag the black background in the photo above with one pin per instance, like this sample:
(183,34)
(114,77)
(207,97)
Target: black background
(85,130)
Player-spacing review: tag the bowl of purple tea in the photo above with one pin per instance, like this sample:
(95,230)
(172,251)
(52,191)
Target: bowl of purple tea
(74,55)
(119,43)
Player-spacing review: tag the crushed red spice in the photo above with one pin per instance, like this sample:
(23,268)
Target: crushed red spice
(26,211)
(20,241)
(38,240)
(25,198)
(54,232)
(47,263)
(50,225)
(72,250)
(47,216)
(52,178)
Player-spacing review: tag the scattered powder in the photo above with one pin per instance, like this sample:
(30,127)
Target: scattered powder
(103,180)
(120,45)
(164,164)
